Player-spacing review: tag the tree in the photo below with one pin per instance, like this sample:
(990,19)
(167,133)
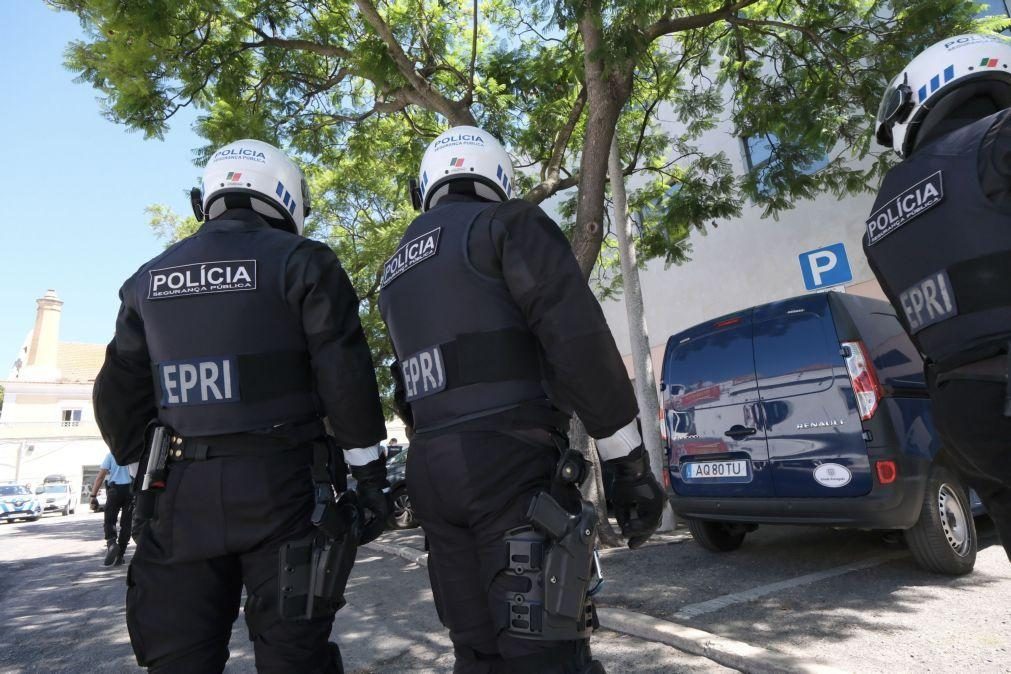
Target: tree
(642,359)
(356,88)
(554,80)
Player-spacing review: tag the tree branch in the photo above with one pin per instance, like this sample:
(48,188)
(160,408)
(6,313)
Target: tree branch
(552,181)
(469,98)
(674,25)
(297,45)
(456,113)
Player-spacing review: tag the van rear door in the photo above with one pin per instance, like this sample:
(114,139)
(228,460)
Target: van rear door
(808,412)
(711,409)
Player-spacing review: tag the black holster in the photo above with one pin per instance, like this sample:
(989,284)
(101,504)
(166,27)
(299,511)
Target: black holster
(314,571)
(553,560)
(150,482)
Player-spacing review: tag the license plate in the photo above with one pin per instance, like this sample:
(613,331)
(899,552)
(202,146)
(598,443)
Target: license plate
(738,470)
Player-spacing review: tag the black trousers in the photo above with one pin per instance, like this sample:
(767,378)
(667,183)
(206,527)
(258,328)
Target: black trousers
(218,527)
(467,490)
(977,441)
(118,503)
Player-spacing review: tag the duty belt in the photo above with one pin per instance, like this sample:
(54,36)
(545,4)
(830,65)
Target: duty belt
(278,440)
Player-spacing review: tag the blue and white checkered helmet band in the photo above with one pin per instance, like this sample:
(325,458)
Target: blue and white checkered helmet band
(938,71)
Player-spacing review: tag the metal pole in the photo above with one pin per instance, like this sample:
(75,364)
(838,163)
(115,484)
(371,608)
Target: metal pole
(17,462)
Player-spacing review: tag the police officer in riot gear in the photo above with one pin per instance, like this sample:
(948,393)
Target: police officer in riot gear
(498,337)
(939,242)
(236,343)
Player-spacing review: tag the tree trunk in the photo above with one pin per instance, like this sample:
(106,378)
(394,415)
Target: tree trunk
(642,361)
(593,488)
(608,87)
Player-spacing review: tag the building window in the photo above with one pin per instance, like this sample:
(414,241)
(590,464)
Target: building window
(72,417)
(759,153)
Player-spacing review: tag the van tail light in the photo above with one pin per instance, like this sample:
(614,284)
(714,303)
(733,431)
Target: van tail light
(666,477)
(887,471)
(866,387)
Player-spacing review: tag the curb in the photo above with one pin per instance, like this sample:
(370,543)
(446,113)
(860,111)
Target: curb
(727,652)
(413,555)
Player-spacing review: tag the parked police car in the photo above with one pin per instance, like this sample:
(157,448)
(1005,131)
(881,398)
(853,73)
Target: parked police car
(812,410)
(18,502)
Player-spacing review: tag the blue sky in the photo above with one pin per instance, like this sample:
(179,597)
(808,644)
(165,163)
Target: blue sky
(76,185)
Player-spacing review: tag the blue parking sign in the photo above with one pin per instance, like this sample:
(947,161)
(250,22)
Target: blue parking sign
(825,267)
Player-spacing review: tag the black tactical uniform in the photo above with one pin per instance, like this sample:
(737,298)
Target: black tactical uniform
(239,338)
(496,333)
(939,242)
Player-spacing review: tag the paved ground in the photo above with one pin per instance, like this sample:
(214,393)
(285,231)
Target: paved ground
(61,611)
(847,599)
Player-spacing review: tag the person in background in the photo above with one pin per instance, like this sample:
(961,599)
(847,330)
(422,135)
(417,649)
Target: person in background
(393,448)
(118,503)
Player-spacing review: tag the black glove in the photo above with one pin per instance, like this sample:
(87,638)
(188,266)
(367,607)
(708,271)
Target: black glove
(94,504)
(373,498)
(638,498)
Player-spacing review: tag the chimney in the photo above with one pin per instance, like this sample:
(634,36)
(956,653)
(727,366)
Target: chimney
(42,352)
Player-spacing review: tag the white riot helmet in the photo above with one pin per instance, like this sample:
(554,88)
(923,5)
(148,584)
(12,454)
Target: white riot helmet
(464,159)
(938,81)
(253,174)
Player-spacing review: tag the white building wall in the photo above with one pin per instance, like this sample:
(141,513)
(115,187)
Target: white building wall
(40,458)
(744,262)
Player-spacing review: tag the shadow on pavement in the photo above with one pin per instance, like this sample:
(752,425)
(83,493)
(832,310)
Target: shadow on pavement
(662,580)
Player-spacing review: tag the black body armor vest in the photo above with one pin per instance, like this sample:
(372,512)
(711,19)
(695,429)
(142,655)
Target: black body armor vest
(228,354)
(464,347)
(942,251)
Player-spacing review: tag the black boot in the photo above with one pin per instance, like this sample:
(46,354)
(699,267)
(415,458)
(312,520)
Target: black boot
(111,553)
(336,661)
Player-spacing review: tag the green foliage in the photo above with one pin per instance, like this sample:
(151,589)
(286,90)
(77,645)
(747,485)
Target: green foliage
(355,89)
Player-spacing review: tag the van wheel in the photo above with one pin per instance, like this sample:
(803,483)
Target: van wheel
(66,510)
(944,539)
(717,536)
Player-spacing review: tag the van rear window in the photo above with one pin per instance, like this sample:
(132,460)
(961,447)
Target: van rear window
(795,354)
(712,370)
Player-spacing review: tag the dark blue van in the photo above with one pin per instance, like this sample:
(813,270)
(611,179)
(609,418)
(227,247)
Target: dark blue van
(812,410)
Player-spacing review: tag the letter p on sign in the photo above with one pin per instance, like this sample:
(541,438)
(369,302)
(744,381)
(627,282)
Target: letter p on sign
(825,267)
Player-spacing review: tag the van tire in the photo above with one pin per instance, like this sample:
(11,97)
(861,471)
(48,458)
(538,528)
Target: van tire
(944,539)
(717,536)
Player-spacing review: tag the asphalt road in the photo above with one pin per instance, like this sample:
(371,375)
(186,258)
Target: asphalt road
(847,599)
(850,600)
(62,611)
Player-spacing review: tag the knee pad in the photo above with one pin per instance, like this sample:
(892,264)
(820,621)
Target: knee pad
(549,565)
